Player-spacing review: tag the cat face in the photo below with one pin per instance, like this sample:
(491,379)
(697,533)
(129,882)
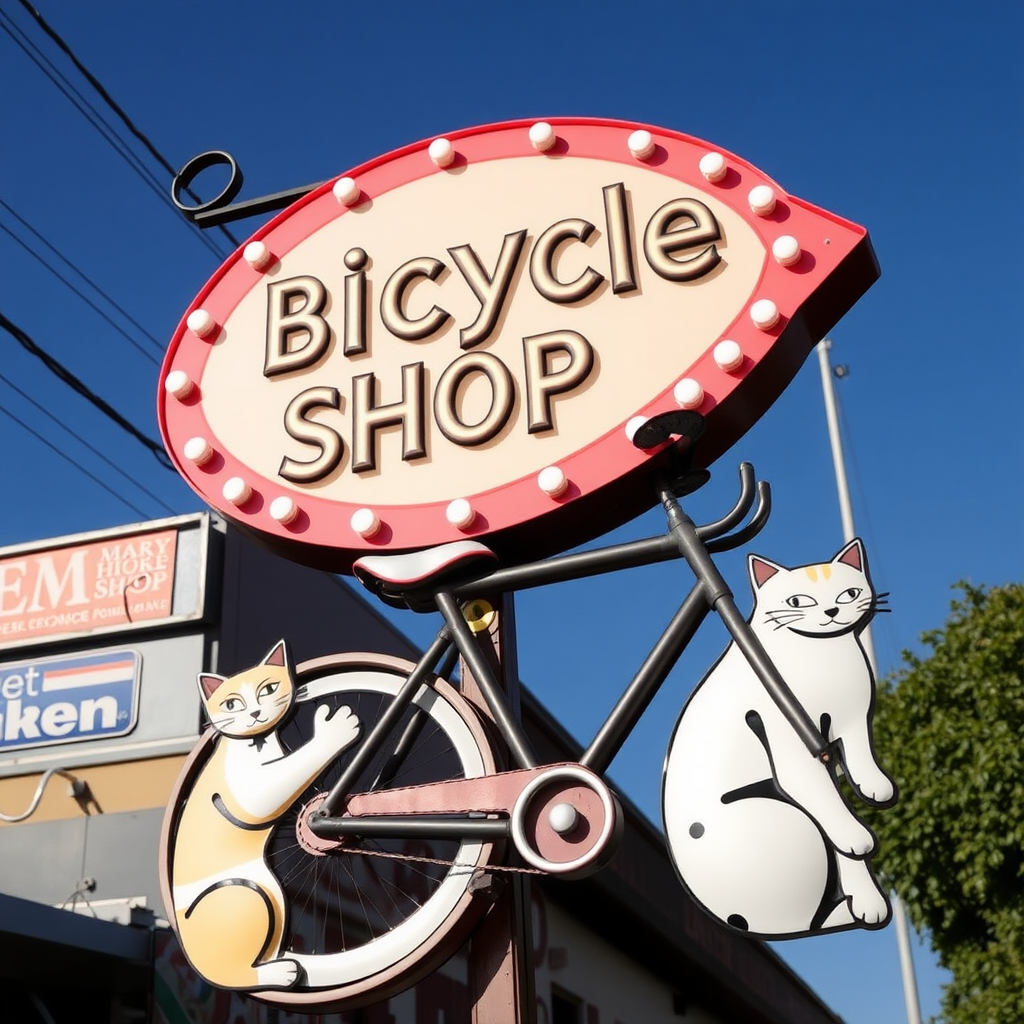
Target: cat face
(252,702)
(813,600)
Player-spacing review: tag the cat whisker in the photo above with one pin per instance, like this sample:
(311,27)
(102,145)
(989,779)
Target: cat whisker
(782,618)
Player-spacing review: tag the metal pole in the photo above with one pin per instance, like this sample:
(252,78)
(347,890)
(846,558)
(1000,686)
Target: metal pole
(845,508)
(849,532)
(899,915)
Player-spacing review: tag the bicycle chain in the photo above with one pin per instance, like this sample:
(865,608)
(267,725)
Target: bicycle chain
(480,869)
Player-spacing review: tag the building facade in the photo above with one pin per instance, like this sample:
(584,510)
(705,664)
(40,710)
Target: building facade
(102,637)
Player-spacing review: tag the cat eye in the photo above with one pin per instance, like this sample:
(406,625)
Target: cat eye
(801,601)
(233,704)
(847,596)
(266,690)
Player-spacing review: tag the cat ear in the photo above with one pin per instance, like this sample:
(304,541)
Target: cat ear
(761,570)
(208,684)
(278,656)
(853,555)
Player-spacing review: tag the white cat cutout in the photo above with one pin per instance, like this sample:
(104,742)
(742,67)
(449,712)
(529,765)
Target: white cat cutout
(758,829)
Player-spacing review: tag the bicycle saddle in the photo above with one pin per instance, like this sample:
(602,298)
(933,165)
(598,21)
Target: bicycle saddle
(394,577)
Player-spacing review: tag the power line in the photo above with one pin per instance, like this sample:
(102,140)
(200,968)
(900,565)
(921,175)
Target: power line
(109,100)
(85,298)
(135,323)
(64,374)
(81,440)
(96,121)
(39,437)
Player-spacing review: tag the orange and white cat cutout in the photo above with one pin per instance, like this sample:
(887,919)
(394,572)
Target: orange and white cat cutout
(229,908)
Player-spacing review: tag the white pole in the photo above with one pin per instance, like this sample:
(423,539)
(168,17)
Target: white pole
(845,508)
(849,532)
(899,916)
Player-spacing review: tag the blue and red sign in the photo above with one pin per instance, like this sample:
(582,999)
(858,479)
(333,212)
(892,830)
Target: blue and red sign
(68,699)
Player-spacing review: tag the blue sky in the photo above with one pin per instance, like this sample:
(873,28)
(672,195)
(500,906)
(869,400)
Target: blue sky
(902,117)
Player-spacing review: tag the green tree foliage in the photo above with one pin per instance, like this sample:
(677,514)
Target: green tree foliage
(950,728)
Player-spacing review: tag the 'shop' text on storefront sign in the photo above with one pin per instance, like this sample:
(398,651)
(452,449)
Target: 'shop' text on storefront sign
(87,586)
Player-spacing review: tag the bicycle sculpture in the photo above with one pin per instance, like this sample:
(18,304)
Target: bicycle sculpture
(325,842)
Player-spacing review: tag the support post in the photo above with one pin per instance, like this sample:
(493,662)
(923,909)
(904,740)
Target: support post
(899,913)
(501,976)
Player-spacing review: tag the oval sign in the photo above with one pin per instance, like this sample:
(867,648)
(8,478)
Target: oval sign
(456,340)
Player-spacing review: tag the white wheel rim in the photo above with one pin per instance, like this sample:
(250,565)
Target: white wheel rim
(336,969)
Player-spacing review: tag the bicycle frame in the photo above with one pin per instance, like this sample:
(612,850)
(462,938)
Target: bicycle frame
(695,544)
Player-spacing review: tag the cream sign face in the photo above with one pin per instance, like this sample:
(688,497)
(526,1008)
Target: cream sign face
(457,339)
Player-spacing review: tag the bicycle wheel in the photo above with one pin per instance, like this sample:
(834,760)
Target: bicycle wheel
(370,918)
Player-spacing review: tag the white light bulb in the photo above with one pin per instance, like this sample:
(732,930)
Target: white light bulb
(633,425)
(765,314)
(728,355)
(786,250)
(257,255)
(762,200)
(542,136)
(179,384)
(552,481)
(713,166)
(365,522)
(283,510)
(442,152)
(200,323)
(460,513)
(641,144)
(198,451)
(236,490)
(688,393)
(346,191)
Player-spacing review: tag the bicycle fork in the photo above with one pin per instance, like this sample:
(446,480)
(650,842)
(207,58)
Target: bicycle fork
(719,597)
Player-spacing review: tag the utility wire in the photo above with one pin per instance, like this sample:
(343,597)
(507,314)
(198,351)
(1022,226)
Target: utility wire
(92,284)
(81,440)
(39,437)
(85,298)
(109,100)
(63,373)
(96,121)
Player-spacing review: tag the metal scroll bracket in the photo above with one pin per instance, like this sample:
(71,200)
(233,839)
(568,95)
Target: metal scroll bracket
(222,209)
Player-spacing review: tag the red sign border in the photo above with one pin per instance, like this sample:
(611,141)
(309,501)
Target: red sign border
(516,517)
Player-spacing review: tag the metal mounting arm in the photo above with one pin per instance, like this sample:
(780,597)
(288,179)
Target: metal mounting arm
(220,209)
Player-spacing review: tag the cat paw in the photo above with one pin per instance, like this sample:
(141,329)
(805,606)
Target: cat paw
(876,788)
(278,974)
(339,728)
(869,906)
(852,838)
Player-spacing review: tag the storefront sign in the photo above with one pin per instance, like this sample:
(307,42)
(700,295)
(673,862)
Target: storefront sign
(457,339)
(68,700)
(107,581)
